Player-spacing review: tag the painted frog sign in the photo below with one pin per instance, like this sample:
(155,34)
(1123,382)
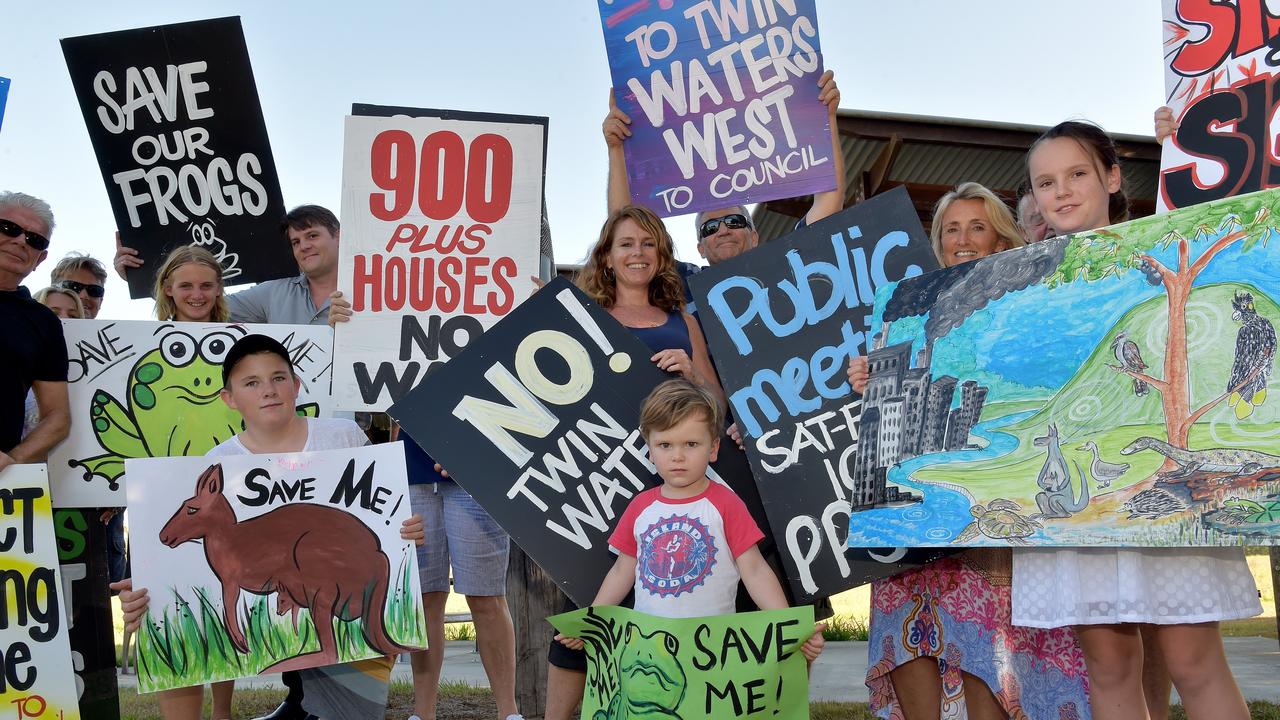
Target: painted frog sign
(229,546)
(36,678)
(151,389)
(641,666)
(782,322)
(173,115)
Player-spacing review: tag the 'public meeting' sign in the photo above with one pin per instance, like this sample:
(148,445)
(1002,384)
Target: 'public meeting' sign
(723,101)
(174,118)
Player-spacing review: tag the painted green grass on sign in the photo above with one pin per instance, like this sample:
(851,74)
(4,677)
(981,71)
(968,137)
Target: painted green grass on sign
(188,645)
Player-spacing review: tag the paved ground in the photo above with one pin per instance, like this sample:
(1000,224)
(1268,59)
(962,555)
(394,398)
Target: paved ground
(838,673)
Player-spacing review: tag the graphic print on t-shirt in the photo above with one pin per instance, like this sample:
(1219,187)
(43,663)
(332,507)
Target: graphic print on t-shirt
(677,554)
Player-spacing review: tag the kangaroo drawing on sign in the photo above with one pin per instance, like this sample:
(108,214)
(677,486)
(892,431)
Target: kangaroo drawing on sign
(312,556)
(1055,498)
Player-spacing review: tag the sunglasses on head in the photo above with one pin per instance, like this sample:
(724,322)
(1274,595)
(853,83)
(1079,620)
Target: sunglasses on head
(95,291)
(34,239)
(736,221)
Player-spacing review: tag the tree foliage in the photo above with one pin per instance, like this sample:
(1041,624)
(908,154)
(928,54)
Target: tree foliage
(1099,254)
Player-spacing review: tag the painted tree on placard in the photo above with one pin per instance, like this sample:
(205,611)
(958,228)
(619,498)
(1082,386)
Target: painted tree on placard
(1103,253)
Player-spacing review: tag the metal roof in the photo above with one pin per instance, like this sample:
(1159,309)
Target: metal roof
(934,154)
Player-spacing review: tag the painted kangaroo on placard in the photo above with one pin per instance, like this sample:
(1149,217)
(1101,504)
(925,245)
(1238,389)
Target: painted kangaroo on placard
(1055,499)
(312,556)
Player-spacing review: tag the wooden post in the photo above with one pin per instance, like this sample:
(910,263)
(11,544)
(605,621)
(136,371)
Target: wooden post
(533,597)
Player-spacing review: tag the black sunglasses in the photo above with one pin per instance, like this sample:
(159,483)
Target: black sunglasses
(95,291)
(34,239)
(736,221)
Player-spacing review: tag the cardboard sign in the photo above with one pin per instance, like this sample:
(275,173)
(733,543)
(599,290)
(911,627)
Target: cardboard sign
(265,563)
(743,665)
(539,423)
(151,389)
(1220,67)
(82,560)
(1107,388)
(35,657)
(441,222)
(723,102)
(4,97)
(174,118)
(782,322)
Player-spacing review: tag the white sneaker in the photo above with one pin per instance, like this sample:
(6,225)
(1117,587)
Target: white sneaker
(515,716)
(414,717)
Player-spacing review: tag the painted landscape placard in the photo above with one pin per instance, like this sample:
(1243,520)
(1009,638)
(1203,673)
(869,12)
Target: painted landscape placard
(1106,388)
(266,563)
(36,678)
(151,389)
(723,102)
(782,322)
(1220,65)
(441,226)
(744,665)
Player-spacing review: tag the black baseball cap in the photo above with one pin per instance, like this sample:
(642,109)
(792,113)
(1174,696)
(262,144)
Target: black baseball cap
(253,345)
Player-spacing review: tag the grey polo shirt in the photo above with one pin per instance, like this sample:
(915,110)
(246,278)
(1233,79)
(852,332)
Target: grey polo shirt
(286,301)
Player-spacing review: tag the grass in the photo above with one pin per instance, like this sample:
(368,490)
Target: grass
(460,631)
(845,627)
(186,644)
(463,702)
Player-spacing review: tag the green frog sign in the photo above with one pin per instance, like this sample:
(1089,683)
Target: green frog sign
(650,668)
(151,389)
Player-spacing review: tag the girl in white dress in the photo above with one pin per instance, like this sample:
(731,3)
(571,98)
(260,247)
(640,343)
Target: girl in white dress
(1106,593)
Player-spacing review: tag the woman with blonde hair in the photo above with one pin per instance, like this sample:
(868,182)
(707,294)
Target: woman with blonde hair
(971,222)
(942,641)
(64,303)
(189,287)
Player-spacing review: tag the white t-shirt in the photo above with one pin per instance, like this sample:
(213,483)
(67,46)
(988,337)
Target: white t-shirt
(322,434)
(686,550)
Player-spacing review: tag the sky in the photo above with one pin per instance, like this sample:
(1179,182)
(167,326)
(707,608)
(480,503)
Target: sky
(1021,61)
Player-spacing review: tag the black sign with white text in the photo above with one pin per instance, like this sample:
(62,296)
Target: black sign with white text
(174,118)
(782,322)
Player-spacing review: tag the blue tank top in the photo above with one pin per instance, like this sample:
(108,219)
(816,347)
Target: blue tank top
(672,334)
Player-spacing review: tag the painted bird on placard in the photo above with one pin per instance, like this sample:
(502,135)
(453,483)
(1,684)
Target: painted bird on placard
(1130,358)
(1255,349)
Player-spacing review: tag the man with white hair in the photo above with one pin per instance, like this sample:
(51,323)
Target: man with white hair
(35,356)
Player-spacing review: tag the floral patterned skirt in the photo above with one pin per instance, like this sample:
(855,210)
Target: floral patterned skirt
(957,611)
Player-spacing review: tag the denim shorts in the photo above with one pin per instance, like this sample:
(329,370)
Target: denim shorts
(459,533)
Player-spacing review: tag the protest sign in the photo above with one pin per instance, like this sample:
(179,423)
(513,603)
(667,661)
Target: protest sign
(4,97)
(743,665)
(539,423)
(174,118)
(229,545)
(35,658)
(723,102)
(82,560)
(151,389)
(1106,388)
(441,228)
(1220,67)
(782,323)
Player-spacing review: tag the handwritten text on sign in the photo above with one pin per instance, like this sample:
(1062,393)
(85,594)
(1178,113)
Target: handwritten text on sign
(441,223)
(174,118)
(723,100)
(1220,82)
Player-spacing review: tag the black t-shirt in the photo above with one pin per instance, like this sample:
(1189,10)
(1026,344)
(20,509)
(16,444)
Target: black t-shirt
(33,350)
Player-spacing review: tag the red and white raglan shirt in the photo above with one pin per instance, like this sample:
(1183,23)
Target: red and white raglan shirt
(686,550)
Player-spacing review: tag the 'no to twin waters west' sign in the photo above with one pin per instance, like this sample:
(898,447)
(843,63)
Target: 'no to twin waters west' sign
(723,100)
